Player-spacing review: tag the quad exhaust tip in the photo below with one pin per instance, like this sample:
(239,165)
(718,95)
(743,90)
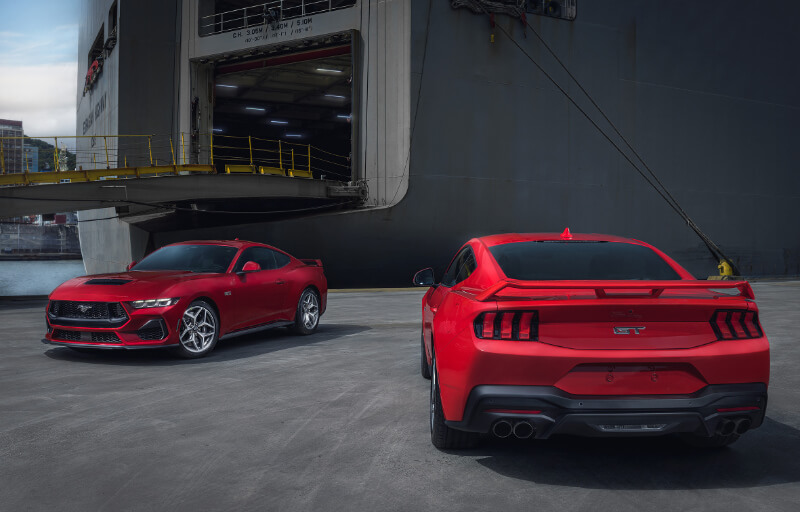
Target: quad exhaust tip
(520,429)
(738,426)
(502,429)
(743,425)
(523,430)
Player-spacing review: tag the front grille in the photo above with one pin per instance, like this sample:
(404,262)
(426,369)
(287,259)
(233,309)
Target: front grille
(94,337)
(87,314)
(87,310)
(105,337)
(59,334)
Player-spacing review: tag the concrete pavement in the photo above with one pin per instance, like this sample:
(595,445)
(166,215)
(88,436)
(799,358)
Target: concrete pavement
(338,421)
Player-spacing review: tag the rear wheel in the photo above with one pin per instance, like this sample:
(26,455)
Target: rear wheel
(442,436)
(306,318)
(425,368)
(198,330)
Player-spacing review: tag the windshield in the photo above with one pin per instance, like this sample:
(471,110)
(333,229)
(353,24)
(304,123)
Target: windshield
(556,260)
(194,258)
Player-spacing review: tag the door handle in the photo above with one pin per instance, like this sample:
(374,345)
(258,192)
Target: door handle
(280,281)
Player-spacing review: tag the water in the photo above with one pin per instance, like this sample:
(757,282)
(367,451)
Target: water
(37,277)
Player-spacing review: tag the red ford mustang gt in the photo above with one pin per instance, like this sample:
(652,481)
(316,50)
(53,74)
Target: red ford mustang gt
(187,296)
(537,334)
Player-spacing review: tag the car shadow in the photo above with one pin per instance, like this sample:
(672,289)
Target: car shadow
(240,347)
(766,456)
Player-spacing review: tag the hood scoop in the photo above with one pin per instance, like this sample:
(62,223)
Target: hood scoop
(115,282)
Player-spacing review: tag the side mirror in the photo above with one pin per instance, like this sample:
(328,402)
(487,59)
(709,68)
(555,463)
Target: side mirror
(131,265)
(424,277)
(251,266)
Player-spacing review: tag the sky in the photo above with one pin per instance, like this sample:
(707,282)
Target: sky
(39,65)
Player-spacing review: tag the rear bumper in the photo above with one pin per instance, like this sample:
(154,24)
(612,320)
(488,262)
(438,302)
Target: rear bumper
(552,411)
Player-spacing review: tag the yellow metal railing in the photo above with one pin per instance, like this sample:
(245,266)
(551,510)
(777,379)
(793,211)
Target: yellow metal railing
(103,157)
(279,157)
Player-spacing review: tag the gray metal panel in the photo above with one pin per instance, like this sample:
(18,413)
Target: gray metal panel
(147,77)
(706,92)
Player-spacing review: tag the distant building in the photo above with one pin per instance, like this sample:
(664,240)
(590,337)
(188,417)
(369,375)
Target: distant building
(12,159)
(31,158)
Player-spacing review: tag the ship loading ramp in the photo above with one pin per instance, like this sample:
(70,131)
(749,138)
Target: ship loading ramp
(301,95)
(159,197)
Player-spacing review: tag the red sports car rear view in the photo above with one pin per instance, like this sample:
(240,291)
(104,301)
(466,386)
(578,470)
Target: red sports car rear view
(536,334)
(187,296)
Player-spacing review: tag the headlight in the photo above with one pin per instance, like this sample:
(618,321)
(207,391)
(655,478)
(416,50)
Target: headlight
(154,303)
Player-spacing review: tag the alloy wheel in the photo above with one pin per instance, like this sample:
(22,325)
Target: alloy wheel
(310,310)
(197,329)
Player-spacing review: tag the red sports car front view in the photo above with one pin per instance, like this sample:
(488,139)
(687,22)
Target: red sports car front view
(530,335)
(187,296)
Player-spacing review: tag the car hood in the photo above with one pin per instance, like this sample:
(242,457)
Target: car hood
(125,286)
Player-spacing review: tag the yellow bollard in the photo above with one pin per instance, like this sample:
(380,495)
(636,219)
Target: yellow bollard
(250,145)
(292,159)
(280,156)
(171,151)
(150,149)
(105,145)
(183,149)
(309,158)
(211,143)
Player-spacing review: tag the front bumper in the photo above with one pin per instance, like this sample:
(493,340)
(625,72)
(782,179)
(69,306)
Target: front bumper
(102,346)
(552,411)
(141,328)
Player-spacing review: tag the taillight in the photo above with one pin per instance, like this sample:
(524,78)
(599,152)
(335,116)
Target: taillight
(508,325)
(735,324)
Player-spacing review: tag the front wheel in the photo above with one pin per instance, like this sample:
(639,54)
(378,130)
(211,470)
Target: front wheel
(306,318)
(442,436)
(198,330)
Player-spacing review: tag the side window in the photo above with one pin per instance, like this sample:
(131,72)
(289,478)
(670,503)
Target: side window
(261,255)
(281,260)
(468,266)
(462,266)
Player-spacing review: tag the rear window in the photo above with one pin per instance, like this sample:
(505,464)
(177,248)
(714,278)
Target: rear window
(556,260)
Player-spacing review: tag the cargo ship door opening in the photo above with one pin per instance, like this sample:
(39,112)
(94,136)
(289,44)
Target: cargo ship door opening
(287,113)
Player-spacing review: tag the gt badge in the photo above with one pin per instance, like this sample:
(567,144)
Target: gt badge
(628,330)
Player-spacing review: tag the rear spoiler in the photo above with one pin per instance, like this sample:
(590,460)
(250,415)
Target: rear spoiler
(312,263)
(653,288)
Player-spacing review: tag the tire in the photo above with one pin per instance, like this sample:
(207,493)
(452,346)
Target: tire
(715,441)
(306,317)
(442,436)
(425,368)
(198,330)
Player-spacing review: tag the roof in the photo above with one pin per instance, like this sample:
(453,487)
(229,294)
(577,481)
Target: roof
(232,243)
(507,238)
